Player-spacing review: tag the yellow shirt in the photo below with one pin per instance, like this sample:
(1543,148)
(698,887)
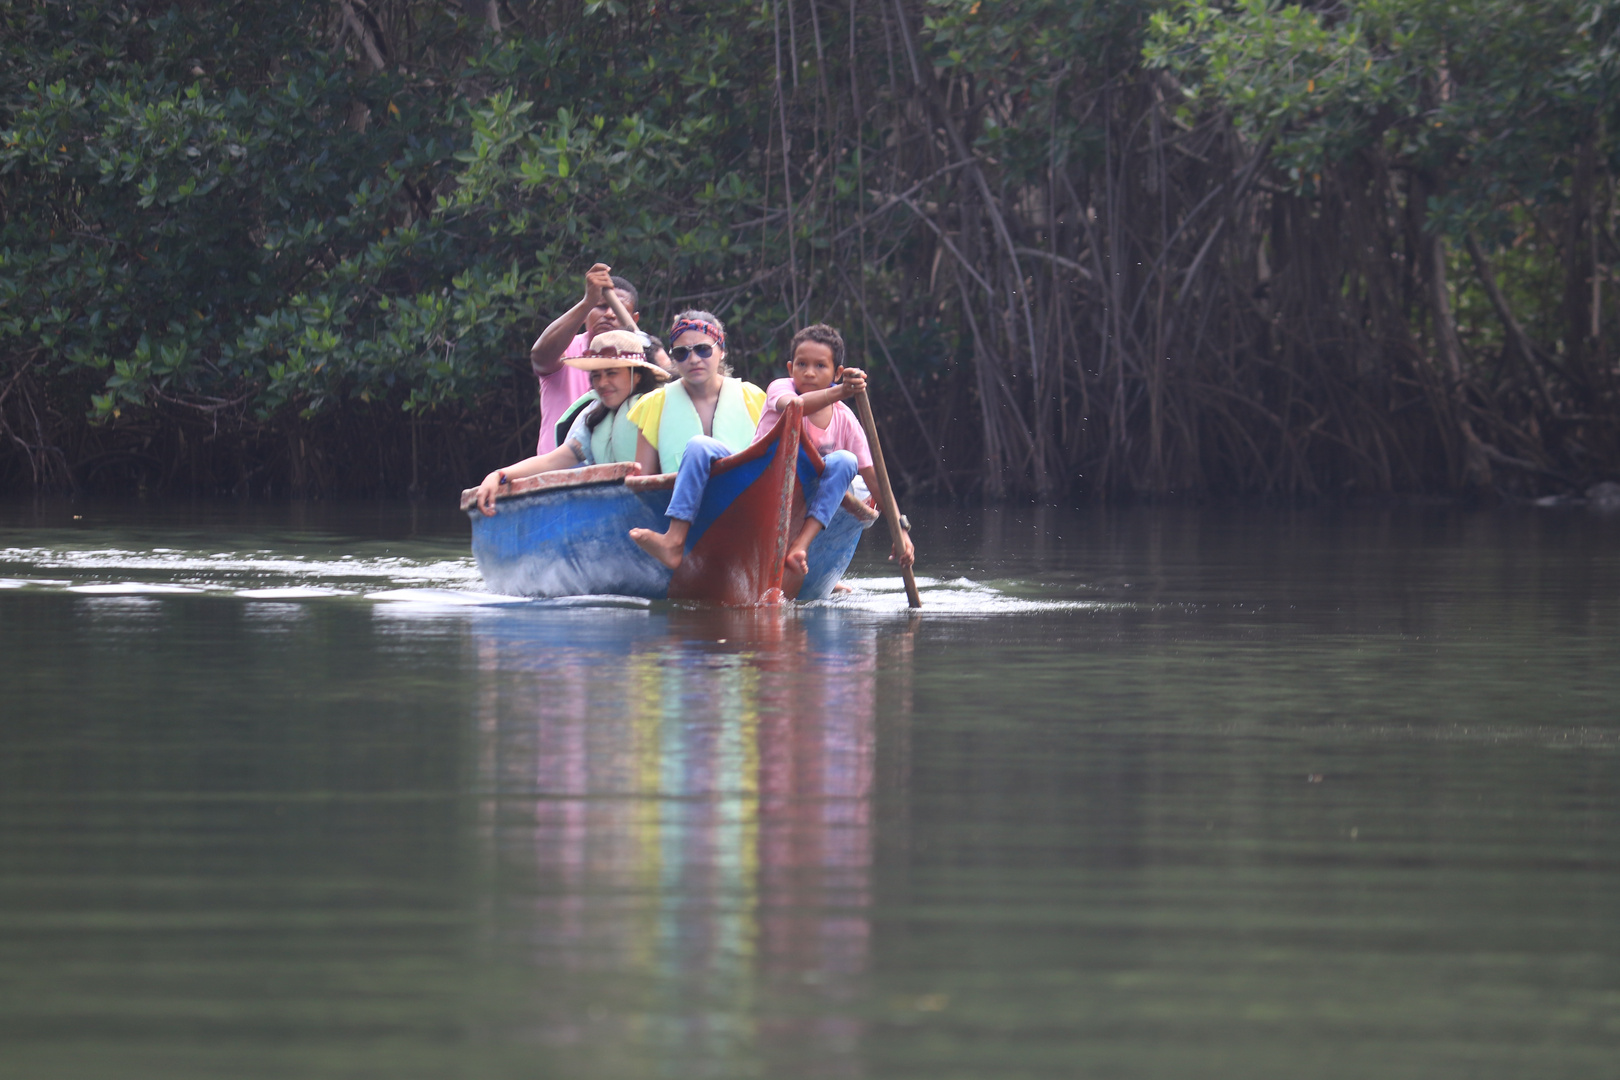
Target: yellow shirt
(647,413)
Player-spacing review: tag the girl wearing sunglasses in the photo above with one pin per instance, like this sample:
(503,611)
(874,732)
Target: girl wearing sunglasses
(687,426)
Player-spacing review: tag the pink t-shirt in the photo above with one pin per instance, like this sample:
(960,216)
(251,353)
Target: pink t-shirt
(559,390)
(844,433)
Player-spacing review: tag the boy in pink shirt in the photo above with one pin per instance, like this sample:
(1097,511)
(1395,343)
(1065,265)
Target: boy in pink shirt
(821,384)
(561,385)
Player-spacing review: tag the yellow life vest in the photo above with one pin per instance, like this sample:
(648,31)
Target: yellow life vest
(733,422)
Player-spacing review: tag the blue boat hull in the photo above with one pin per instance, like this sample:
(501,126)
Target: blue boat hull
(567,533)
(575,542)
(572,542)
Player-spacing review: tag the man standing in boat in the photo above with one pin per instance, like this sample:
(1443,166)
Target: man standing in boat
(560,384)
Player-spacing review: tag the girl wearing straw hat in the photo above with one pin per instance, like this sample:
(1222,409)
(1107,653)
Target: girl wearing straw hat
(602,431)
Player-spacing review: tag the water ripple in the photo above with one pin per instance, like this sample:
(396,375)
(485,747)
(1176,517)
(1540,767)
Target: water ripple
(431,583)
(243,572)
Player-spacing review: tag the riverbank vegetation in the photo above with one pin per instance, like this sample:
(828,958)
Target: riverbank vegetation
(1088,249)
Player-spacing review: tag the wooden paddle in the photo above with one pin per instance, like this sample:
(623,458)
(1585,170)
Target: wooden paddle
(613,301)
(885,494)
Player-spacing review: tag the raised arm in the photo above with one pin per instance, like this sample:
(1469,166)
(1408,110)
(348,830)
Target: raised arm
(545,355)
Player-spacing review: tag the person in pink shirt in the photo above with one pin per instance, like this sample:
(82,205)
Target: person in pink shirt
(820,383)
(560,384)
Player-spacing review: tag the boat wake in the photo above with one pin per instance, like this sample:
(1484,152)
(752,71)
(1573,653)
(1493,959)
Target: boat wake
(260,574)
(430,584)
(956,597)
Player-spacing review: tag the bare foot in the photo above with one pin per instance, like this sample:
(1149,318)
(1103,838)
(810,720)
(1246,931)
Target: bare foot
(798,561)
(660,546)
(842,588)
(794,567)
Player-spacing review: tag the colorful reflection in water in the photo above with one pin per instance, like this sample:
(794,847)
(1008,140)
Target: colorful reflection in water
(679,808)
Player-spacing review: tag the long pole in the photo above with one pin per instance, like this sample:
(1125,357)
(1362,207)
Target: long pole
(886,504)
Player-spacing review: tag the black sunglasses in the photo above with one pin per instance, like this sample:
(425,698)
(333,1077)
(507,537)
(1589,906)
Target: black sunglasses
(680,352)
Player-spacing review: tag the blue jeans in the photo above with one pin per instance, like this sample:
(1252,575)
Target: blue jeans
(693,476)
(835,479)
(702,452)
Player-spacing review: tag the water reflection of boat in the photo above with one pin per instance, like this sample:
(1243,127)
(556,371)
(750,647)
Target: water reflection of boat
(683,832)
(566,533)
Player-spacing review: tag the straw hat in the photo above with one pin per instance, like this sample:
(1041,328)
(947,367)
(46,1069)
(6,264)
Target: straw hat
(616,348)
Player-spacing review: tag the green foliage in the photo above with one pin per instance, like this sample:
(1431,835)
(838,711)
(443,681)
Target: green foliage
(259,219)
(195,215)
(1484,95)
(1484,125)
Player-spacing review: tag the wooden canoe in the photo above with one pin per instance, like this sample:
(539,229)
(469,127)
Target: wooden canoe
(566,533)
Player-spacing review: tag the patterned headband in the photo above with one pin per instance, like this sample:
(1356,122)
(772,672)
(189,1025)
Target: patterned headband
(701,326)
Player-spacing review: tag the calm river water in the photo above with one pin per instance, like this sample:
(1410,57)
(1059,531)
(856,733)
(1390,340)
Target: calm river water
(1150,793)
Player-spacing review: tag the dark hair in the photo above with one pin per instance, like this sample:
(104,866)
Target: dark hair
(655,346)
(821,334)
(624,286)
(702,316)
(646,379)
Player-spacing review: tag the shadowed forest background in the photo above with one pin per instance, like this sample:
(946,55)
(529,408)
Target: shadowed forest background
(1087,248)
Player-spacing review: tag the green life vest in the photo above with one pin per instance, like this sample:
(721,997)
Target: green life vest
(614,436)
(679,424)
(566,423)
